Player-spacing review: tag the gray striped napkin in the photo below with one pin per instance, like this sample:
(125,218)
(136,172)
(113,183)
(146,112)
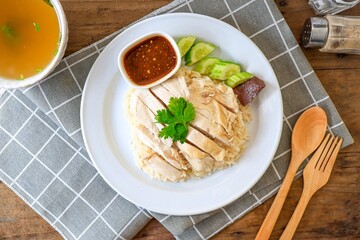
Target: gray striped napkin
(42,154)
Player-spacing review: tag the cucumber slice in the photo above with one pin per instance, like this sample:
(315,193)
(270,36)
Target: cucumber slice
(206,65)
(185,44)
(238,78)
(223,70)
(198,52)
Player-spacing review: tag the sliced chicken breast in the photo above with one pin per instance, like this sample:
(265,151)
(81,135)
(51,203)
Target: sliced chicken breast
(201,163)
(146,118)
(213,110)
(206,144)
(177,87)
(149,100)
(170,154)
(158,168)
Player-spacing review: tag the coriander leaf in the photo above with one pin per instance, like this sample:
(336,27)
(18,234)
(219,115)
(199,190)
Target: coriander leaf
(164,116)
(181,132)
(177,119)
(177,106)
(189,112)
(168,131)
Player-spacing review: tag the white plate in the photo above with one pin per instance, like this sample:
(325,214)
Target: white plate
(107,135)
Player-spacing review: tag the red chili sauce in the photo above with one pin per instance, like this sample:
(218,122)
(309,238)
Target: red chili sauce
(150,60)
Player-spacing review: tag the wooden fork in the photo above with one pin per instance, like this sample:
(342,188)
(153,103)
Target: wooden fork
(316,175)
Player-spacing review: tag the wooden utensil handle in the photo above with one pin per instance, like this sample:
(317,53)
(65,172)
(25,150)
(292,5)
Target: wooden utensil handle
(296,217)
(275,209)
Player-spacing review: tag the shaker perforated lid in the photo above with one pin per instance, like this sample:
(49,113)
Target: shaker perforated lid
(315,32)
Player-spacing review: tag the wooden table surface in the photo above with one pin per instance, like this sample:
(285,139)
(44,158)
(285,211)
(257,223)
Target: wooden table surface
(333,213)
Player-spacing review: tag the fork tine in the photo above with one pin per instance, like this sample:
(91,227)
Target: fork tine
(331,161)
(326,153)
(324,146)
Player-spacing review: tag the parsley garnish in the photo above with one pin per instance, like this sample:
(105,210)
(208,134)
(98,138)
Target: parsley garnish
(48,3)
(37,26)
(176,118)
(9,31)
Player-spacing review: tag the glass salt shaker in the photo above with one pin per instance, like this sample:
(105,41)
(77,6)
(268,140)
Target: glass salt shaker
(322,7)
(337,34)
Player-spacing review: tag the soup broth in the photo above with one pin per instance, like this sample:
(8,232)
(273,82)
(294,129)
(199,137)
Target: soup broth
(29,37)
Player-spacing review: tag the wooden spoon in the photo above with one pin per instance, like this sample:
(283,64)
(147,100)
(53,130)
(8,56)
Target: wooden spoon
(307,135)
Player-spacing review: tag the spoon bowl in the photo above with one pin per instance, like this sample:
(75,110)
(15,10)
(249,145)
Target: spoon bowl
(308,132)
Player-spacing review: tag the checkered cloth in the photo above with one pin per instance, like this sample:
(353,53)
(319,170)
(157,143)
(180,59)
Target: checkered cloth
(42,154)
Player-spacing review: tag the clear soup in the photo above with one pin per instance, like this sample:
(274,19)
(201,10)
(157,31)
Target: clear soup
(29,37)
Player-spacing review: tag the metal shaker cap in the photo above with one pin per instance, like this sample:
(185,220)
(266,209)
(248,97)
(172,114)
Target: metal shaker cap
(315,32)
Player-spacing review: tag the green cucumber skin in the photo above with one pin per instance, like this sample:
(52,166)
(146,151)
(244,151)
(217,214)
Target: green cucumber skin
(189,56)
(223,70)
(215,68)
(206,65)
(238,78)
(182,41)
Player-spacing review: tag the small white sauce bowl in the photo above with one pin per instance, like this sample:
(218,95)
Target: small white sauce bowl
(63,25)
(137,41)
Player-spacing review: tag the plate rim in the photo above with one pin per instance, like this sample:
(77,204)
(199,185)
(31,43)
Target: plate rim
(188,211)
